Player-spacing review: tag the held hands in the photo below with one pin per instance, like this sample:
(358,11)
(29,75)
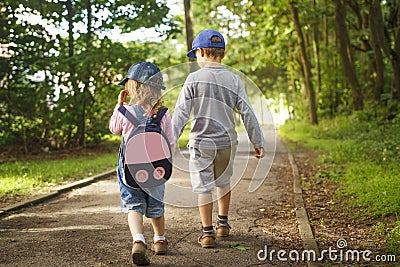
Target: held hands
(259,152)
(122,97)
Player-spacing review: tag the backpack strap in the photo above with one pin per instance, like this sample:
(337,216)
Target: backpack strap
(129,116)
(160,114)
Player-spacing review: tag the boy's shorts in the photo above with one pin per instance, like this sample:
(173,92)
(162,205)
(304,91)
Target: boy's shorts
(149,202)
(210,168)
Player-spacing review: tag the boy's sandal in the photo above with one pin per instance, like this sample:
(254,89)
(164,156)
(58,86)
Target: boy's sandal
(207,240)
(222,230)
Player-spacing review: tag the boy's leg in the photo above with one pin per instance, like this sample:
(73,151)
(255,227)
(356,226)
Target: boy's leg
(205,209)
(201,165)
(223,169)
(224,199)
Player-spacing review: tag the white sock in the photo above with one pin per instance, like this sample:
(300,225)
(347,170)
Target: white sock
(139,237)
(158,238)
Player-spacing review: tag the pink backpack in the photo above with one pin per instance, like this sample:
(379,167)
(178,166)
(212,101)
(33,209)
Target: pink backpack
(147,158)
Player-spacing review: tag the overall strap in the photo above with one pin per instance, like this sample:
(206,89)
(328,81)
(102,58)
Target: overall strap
(132,119)
(140,114)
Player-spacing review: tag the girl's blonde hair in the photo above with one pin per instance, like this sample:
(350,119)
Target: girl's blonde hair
(149,97)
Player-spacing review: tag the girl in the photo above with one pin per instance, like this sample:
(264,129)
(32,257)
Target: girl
(143,84)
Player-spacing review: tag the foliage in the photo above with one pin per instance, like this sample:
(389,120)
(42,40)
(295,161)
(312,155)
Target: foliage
(391,233)
(362,155)
(65,79)
(56,86)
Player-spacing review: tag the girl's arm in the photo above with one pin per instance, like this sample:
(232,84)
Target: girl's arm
(116,120)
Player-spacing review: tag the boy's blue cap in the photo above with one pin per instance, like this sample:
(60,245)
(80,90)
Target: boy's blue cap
(203,40)
(146,73)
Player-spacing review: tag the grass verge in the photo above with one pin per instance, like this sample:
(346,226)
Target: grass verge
(25,177)
(363,158)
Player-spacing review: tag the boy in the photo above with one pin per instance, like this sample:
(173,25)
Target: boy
(213,93)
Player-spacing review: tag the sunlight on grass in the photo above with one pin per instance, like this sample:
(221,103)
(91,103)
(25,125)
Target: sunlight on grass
(23,177)
(365,154)
(363,158)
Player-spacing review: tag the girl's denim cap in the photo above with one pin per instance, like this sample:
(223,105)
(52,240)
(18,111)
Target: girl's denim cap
(203,40)
(146,73)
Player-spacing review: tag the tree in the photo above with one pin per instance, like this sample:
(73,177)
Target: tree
(62,108)
(386,37)
(189,30)
(24,70)
(346,55)
(305,64)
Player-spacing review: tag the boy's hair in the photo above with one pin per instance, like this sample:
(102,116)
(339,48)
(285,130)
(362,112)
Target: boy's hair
(145,95)
(213,51)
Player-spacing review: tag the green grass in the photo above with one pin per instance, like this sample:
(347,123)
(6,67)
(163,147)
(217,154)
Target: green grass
(363,157)
(184,138)
(23,177)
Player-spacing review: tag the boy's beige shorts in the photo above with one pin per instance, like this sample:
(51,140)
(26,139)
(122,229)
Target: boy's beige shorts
(210,168)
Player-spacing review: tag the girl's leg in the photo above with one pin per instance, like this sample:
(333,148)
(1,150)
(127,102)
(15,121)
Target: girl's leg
(158,225)
(159,246)
(135,222)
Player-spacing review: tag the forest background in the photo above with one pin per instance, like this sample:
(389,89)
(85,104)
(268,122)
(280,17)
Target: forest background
(335,64)
(58,74)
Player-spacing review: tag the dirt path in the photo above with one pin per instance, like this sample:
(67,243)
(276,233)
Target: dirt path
(85,227)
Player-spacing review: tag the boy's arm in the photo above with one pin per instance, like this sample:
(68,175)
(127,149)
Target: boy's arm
(259,152)
(166,125)
(182,110)
(250,120)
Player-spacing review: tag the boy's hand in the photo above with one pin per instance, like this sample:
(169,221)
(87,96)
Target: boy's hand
(122,97)
(259,152)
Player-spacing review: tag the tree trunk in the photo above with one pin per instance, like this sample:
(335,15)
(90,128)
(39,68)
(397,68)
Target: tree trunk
(379,67)
(316,49)
(189,30)
(395,53)
(291,70)
(86,95)
(383,38)
(72,69)
(70,30)
(346,56)
(306,65)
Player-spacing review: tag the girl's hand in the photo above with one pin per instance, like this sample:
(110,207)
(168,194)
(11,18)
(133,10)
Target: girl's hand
(122,97)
